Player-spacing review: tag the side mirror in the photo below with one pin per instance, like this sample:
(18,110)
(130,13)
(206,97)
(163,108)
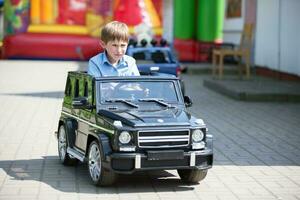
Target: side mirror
(81,103)
(187,101)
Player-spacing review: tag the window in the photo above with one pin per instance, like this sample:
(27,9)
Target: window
(86,89)
(68,87)
(76,94)
(139,55)
(159,57)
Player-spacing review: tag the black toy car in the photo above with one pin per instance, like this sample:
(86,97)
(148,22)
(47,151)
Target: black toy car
(127,124)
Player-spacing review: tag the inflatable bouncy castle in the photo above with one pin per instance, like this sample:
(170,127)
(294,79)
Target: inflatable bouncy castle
(52,29)
(203,24)
(69,29)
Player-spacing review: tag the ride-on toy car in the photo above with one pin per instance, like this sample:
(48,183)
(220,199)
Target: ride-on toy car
(127,124)
(160,56)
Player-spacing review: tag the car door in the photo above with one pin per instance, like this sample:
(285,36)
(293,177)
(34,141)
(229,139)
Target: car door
(86,115)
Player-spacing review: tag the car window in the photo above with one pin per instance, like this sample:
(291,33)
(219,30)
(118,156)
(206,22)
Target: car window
(139,55)
(134,91)
(86,89)
(76,93)
(159,57)
(68,87)
(151,56)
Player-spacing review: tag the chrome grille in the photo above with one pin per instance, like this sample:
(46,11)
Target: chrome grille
(163,138)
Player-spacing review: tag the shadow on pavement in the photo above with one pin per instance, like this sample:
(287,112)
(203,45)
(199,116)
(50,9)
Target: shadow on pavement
(50,171)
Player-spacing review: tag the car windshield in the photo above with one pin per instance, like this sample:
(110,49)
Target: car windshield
(150,57)
(132,92)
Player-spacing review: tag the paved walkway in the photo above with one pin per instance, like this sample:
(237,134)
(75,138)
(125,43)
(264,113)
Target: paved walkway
(256,88)
(257,152)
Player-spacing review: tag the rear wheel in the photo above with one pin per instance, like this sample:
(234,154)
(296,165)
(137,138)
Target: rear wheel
(64,157)
(192,175)
(99,175)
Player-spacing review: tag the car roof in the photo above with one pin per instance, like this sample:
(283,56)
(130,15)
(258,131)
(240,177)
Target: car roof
(151,76)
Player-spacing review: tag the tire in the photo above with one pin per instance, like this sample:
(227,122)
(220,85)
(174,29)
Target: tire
(64,157)
(99,175)
(192,175)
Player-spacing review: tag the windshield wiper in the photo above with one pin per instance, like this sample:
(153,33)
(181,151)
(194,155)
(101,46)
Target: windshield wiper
(126,101)
(156,100)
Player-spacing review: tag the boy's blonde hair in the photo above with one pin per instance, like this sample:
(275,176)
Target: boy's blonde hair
(114,31)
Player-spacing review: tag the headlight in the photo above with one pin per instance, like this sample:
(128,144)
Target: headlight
(124,137)
(197,135)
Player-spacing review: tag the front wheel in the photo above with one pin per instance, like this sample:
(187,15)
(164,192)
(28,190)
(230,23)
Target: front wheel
(192,175)
(99,175)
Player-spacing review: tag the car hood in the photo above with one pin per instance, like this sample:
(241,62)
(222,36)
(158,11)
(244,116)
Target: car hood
(141,118)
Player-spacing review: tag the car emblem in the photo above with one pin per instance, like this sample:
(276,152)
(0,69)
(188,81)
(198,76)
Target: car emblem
(160,120)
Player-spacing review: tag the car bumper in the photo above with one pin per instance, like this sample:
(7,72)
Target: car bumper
(131,162)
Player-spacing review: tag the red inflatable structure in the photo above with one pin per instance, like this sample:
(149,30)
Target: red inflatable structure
(67,29)
(50,46)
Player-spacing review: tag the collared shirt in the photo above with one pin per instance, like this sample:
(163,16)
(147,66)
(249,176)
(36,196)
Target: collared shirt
(99,65)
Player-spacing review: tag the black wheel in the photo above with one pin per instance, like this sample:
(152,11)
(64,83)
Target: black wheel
(99,175)
(64,157)
(192,175)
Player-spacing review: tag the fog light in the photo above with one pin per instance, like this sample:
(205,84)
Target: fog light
(127,148)
(200,145)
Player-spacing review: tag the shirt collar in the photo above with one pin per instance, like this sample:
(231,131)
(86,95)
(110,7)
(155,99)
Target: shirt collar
(105,60)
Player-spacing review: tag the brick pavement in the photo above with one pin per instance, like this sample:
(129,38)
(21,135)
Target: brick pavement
(257,152)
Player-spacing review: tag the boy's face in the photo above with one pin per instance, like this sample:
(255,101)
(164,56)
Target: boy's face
(115,50)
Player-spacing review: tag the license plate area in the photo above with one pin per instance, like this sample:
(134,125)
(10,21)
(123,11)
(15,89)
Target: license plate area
(165,155)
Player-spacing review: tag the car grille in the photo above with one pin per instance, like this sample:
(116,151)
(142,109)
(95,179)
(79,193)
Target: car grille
(163,138)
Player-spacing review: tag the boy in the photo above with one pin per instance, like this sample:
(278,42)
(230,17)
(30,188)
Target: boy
(113,61)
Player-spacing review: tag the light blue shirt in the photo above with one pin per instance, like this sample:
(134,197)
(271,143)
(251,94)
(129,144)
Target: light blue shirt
(99,65)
